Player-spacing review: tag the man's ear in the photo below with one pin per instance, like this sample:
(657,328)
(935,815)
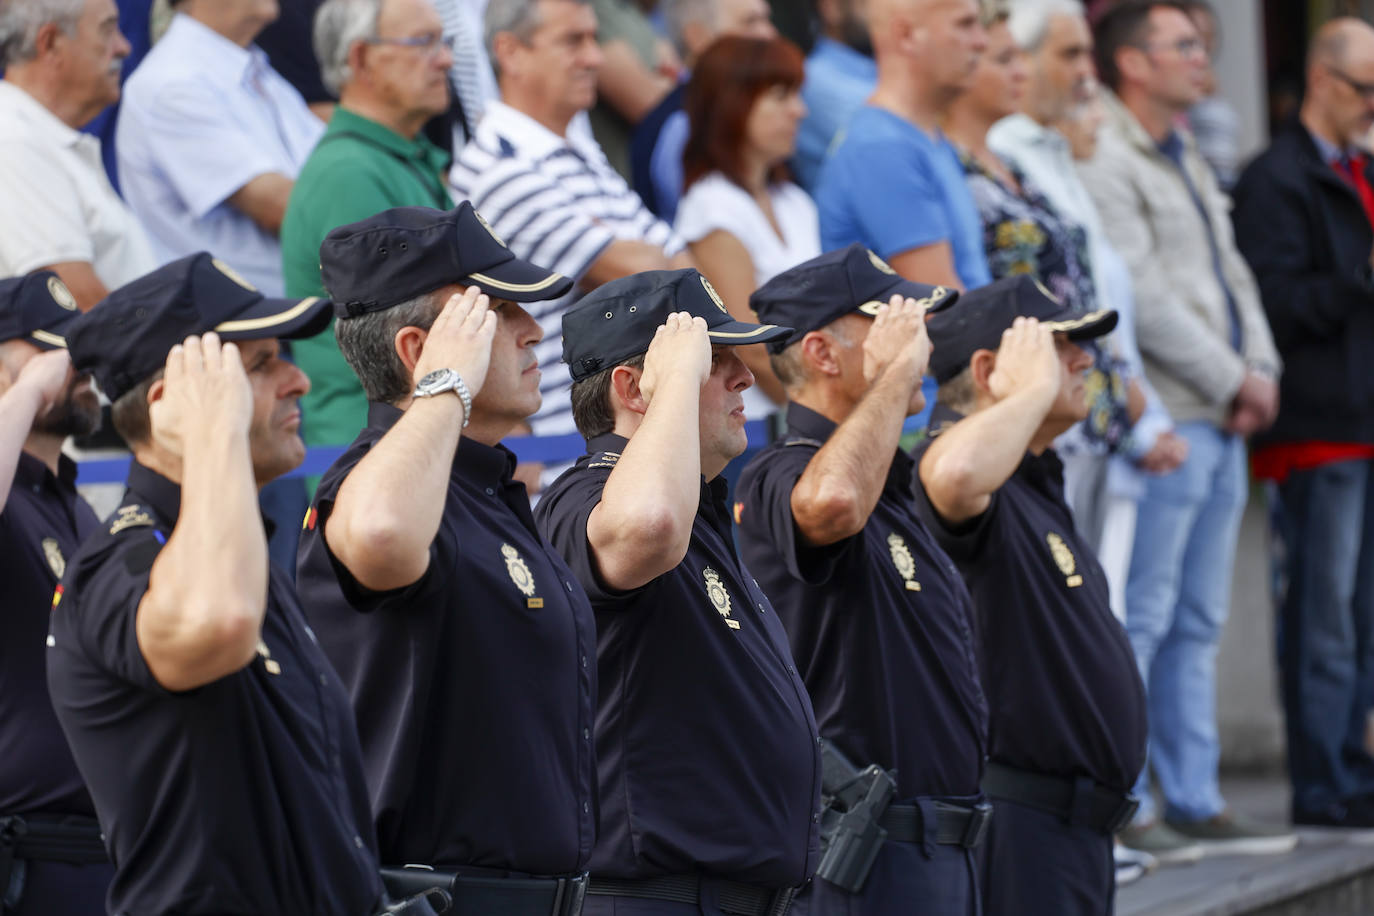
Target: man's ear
(410,343)
(1132,63)
(47,36)
(625,390)
(155,391)
(505,48)
(982,363)
(356,52)
(819,353)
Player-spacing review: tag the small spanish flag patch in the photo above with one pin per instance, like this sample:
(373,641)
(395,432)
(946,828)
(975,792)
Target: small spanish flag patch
(308,524)
(739,512)
(56,597)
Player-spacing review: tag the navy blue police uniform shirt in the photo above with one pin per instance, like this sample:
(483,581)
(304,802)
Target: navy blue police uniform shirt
(880,622)
(42,525)
(707,749)
(475,687)
(1065,695)
(242,796)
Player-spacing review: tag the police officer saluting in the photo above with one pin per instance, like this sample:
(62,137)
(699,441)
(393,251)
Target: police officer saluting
(879,619)
(707,748)
(1067,707)
(51,856)
(217,743)
(465,642)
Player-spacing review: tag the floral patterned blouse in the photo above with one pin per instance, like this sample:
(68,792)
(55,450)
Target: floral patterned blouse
(1022,234)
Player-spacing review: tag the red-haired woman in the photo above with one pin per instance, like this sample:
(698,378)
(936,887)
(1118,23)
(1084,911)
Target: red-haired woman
(743,220)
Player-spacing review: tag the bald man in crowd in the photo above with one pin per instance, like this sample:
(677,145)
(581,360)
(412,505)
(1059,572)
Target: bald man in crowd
(1305,221)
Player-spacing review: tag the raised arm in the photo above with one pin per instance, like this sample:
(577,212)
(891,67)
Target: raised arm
(388,509)
(839,488)
(201,617)
(643,524)
(38,385)
(971,460)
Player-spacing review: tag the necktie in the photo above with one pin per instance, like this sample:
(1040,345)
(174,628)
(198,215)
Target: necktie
(1353,168)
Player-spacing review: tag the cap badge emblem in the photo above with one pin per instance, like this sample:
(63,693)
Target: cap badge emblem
(519,572)
(880,264)
(720,598)
(61,295)
(715,296)
(233,274)
(1063,558)
(268,662)
(901,558)
(490,231)
(56,562)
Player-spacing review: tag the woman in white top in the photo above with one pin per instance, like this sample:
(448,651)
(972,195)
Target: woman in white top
(743,220)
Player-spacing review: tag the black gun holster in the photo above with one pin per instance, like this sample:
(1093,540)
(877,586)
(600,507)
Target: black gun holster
(486,892)
(852,806)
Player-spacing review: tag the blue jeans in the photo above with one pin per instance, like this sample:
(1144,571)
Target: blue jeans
(1326,631)
(1178,593)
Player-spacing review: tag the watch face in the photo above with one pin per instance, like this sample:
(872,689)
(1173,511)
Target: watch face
(434,381)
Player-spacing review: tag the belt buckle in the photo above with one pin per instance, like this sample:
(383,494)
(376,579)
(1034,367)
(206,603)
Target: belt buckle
(569,895)
(1124,812)
(980,815)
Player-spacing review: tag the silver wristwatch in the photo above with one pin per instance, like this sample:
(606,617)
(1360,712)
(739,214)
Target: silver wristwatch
(442,380)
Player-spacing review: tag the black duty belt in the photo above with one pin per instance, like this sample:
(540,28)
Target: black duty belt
(955,825)
(1080,802)
(732,897)
(52,838)
(484,892)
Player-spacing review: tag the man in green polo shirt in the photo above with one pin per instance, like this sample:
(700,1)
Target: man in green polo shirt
(389,68)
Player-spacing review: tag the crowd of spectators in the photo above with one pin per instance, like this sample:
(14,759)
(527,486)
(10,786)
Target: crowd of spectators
(961,142)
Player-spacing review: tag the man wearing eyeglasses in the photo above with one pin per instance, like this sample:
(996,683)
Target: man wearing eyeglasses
(388,62)
(1305,221)
(1209,354)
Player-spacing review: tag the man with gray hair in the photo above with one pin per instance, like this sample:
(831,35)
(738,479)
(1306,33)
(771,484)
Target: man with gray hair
(388,62)
(658,140)
(548,191)
(61,60)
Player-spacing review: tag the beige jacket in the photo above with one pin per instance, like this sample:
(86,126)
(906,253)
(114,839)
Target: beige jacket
(1182,320)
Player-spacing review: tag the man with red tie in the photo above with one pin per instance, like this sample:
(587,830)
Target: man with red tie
(1304,220)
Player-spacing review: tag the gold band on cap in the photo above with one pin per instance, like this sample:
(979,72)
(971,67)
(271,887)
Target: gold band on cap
(48,337)
(545,283)
(741,335)
(257,324)
(1073,324)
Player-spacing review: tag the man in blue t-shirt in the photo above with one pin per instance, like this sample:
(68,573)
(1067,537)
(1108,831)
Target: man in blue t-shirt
(894,182)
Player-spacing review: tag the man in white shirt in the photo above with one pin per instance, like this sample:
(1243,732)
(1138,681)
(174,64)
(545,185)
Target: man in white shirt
(547,191)
(210,139)
(62,62)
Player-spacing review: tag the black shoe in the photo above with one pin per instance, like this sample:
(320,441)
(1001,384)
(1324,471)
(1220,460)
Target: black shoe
(1356,813)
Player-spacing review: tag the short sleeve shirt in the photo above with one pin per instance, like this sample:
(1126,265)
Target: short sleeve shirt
(242,796)
(893,187)
(58,203)
(707,749)
(358,169)
(200,118)
(557,203)
(475,687)
(1064,692)
(880,622)
(838,80)
(43,523)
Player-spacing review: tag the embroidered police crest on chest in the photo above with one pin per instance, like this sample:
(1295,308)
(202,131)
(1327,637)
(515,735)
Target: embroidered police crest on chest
(1064,559)
(720,597)
(520,575)
(901,558)
(56,562)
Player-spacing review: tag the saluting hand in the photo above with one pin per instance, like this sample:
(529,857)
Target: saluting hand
(204,387)
(898,339)
(46,375)
(460,339)
(1026,359)
(680,349)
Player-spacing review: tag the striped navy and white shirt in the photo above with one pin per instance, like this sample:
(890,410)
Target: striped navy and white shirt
(556,202)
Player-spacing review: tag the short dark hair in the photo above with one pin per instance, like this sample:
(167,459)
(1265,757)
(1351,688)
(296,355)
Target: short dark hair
(368,344)
(591,400)
(129,412)
(1126,24)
